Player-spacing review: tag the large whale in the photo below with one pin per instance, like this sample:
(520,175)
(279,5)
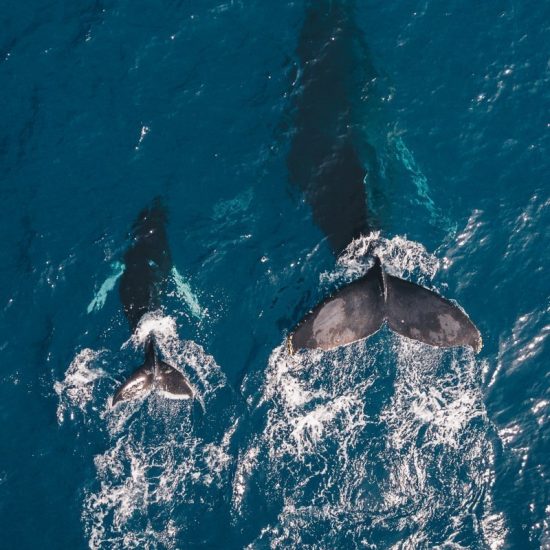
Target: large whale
(326,164)
(147,265)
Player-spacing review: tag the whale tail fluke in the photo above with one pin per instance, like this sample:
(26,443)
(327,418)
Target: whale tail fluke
(360,308)
(421,314)
(154,374)
(138,384)
(353,313)
(171,383)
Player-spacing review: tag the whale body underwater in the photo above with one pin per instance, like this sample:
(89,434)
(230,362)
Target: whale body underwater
(147,265)
(327,165)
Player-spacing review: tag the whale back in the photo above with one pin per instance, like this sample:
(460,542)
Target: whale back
(147,264)
(323,161)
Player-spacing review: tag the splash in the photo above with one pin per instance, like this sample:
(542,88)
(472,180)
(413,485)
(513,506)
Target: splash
(399,256)
(163,327)
(117,269)
(76,390)
(202,370)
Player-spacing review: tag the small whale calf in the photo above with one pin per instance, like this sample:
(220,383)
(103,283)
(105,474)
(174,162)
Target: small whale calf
(147,266)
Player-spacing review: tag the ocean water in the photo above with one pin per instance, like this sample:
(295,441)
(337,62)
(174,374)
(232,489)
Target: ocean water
(383,444)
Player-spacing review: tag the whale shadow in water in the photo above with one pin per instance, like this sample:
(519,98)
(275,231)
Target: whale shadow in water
(325,163)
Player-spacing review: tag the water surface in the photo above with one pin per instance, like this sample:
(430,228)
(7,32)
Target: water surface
(387,443)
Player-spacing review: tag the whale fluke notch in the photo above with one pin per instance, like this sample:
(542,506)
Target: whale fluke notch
(154,374)
(359,309)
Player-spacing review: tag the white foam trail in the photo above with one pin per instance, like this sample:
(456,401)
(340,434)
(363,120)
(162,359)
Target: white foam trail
(246,464)
(75,391)
(437,434)
(155,470)
(129,487)
(432,398)
(185,293)
(157,465)
(386,439)
(309,430)
(494,530)
(98,301)
(305,420)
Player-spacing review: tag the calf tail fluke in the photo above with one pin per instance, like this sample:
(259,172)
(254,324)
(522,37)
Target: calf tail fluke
(360,308)
(137,385)
(154,375)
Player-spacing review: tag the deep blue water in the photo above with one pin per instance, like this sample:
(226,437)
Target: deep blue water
(386,443)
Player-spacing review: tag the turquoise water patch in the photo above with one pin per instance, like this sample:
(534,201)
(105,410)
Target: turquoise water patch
(405,156)
(185,293)
(98,301)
